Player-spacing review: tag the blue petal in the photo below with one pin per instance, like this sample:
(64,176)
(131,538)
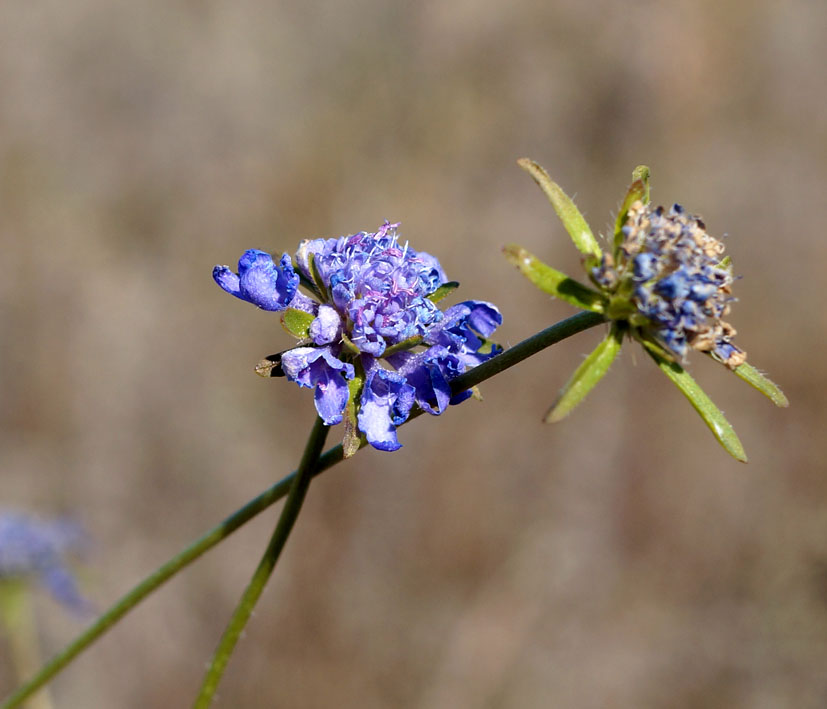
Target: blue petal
(319,367)
(264,284)
(386,403)
(259,280)
(325,328)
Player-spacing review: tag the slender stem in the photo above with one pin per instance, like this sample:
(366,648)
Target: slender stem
(534,344)
(18,619)
(242,613)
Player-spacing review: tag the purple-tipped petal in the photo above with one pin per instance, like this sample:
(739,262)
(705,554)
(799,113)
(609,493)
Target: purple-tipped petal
(386,403)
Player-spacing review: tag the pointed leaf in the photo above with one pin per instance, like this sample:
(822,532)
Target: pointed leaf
(353,439)
(638,190)
(767,387)
(444,290)
(297,322)
(552,281)
(711,414)
(591,371)
(573,221)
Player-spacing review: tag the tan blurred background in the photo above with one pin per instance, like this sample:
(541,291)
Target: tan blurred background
(618,559)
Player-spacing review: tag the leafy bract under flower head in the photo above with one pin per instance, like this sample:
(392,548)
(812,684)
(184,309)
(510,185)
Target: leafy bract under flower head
(371,327)
(30,548)
(664,283)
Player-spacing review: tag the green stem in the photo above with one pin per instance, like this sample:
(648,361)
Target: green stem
(242,613)
(515,355)
(18,619)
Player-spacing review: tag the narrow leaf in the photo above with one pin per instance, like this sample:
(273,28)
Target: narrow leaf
(353,439)
(573,221)
(767,387)
(711,414)
(591,371)
(444,290)
(552,281)
(297,322)
(638,190)
(317,278)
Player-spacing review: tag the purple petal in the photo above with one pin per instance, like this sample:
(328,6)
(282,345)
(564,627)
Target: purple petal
(264,284)
(319,367)
(325,328)
(228,280)
(386,403)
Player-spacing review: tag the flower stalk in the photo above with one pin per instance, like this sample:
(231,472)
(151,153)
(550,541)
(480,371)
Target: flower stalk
(287,519)
(490,368)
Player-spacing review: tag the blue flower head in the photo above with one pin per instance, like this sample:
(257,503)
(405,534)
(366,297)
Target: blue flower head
(371,333)
(30,548)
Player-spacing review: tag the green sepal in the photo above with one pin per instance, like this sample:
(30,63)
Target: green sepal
(297,322)
(711,414)
(408,344)
(767,387)
(552,281)
(573,221)
(349,346)
(444,290)
(353,440)
(321,289)
(638,190)
(586,376)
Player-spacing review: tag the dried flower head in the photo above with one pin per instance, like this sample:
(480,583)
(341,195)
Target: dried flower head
(674,275)
(664,283)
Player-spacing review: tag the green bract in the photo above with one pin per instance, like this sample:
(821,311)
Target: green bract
(664,282)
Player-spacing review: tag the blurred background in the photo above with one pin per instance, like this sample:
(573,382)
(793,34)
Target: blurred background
(619,558)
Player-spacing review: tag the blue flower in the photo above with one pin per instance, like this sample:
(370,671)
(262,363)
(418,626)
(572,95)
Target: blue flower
(30,548)
(373,319)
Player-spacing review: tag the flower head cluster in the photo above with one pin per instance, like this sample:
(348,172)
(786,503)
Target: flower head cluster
(672,271)
(30,548)
(372,334)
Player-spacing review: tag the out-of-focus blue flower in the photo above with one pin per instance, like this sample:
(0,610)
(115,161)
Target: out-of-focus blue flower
(30,548)
(373,305)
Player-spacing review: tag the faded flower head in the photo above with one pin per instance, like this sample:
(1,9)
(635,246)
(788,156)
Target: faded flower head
(672,272)
(371,333)
(30,548)
(663,282)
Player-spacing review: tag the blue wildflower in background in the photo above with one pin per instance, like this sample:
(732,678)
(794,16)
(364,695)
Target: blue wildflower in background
(663,281)
(373,341)
(33,549)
